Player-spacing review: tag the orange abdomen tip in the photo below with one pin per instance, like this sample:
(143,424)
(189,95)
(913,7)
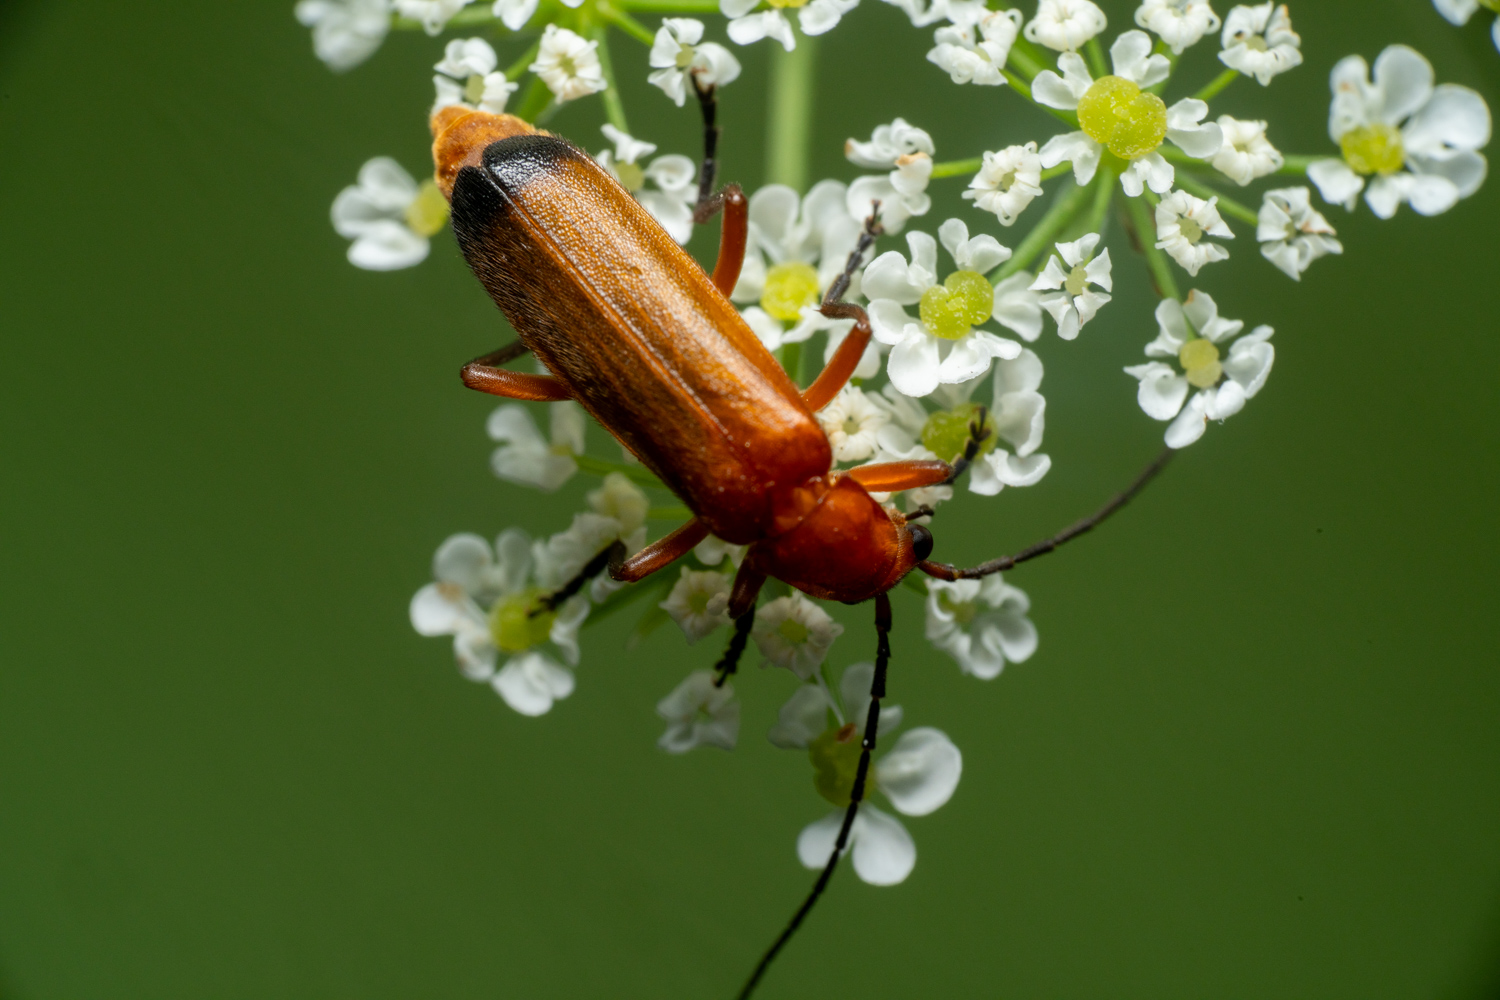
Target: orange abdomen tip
(459,136)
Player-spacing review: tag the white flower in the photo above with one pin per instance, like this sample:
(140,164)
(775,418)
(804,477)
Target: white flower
(967,60)
(1459,12)
(345,32)
(1007,182)
(919,775)
(434,14)
(1018,417)
(699,602)
(1181,223)
(679,51)
(813,18)
(1259,41)
(1065,25)
(524,456)
(796,248)
(982,624)
(1180,23)
(467,78)
(699,714)
(804,717)
(1018,308)
(625,503)
(1074,302)
(712,550)
(943,344)
(1292,233)
(675,177)
(923,13)
(906,152)
(1135,63)
(852,423)
(795,633)
(388,217)
(568,65)
(1418,143)
(471,577)
(1193,333)
(1246,153)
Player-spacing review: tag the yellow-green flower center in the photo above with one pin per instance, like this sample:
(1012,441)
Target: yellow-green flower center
(963,614)
(1119,115)
(684,57)
(1373,149)
(946,432)
(632,177)
(793,631)
(789,287)
(835,761)
(963,301)
(698,601)
(788,3)
(428,211)
(1078,280)
(513,626)
(1200,362)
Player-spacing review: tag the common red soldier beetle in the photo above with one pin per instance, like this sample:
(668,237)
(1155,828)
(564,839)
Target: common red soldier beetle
(633,329)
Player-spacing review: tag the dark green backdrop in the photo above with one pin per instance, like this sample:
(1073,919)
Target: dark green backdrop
(1256,755)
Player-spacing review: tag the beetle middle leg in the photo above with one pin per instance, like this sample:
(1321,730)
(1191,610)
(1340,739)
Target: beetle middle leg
(840,367)
(658,555)
(485,374)
(736,229)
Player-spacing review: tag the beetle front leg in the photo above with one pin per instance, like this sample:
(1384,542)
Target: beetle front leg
(736,230)
(841,367)
(486,375)
(893,477)
(660,553)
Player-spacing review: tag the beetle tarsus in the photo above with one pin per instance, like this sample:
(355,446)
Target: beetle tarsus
(708,102)
(945,571)
(504,355)
(730,661)
(612,556)
(872,231)
(978,435)
(867,747)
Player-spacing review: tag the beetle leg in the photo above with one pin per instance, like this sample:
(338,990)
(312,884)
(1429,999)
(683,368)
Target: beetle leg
(944,571)
(486,375)
(730,661)
(857,794)
(660,553)
(892,477)
(747,584)
(731,199)
(845,359)
(612,555)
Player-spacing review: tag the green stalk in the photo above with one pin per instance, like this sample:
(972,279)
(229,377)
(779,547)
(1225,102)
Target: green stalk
(478,14)
(1193,185)
(614,108)
(1299,164)
(1062,168)
(677,513)
(635,473)
(535,101)
(1027,58)
(1217,84)
(670,6)
(791,360)
(1063,210)
(1021,87)
(791,105)
(1095,52)
(1156,261)
(514,71)
(1163,49)
(635,29)
(957,168)
(1104,188)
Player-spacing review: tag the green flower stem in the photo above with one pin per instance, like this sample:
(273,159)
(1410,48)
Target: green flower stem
(1299,164)
(1021,87)
(791,360)
(1028,59)
(614,108)
(1058,217)
(635,473)
(1104,188)
(791,105)
(617,17)
(669,6)
(1217,84)
(956,168)
(1240,211)
(915,582)
(1163,49)
(535,101)
(466,18)
(1156,261)
(1097,63)
(514,71)
(1057,171)
(678,513)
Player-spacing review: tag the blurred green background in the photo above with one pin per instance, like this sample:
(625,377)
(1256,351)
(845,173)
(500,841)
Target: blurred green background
(1256,755)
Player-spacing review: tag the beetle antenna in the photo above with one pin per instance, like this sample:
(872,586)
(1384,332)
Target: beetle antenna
(872,231)
(730,661)
(978,434)
(872,720)
(944,571)
(611,556)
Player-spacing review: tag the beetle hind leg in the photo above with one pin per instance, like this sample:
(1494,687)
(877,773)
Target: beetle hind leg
(485,375)
(840,367)
(730,198)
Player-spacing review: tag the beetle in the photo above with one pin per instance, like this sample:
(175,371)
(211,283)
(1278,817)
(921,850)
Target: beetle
(629,326)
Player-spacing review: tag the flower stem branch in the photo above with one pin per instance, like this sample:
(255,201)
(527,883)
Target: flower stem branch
(1027,58)
(1067,206)
(1021,87)
(1097,62)
(467,18)
(535,102)
(670,6)
(956,168)
(617,17)
(1228,205)
(1298,164)
(635,473)
(614,108)
(1217,84)
(1104,187)
(515,70)
(791,104)
(1144,231)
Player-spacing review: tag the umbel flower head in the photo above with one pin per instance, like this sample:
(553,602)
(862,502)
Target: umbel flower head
(466,78)
(1068,276)
(1415,142)
(388,216)
(1292,233)
(1194,335)
(1065,25)
(976,52)
(1259,42)
(698,713)
(982,624)
(1179,23)
(679,55)
(568,64)
(1007,182)
(1117,113)
(918,775)
(906,152)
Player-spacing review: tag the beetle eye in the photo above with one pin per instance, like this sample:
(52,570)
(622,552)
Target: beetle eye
(921,541)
